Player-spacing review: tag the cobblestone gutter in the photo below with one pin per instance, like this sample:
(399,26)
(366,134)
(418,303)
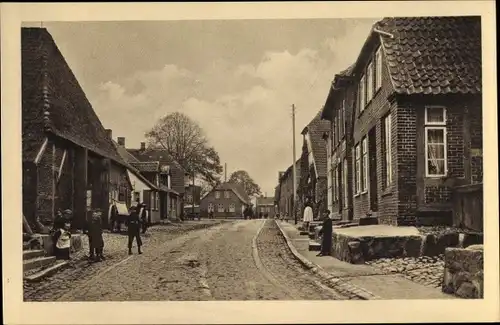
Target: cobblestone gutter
(342,285)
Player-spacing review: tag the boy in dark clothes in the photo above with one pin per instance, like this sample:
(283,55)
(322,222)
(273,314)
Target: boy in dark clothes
(326,234)
(134,230)
(96,242)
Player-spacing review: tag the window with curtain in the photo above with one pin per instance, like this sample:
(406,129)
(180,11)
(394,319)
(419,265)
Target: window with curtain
(341,134)
(334,138)
(232,207)
(336,184)
(435,142)
(332,188)
(378,69)
(365,164)
(387,134)
(344,122)
(369,82)
(226,194)
(345,180)
(357,168)
(362,94)
(217,194)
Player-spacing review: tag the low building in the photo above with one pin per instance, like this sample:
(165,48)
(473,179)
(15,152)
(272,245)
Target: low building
(227,200)
(285,201)
(265,206)
(69,162)
(313,181)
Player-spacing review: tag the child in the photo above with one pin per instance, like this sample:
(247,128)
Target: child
(62,240)
(96,242)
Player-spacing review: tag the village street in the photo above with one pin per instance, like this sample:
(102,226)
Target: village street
(226,261)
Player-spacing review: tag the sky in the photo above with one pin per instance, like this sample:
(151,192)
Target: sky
(236,78)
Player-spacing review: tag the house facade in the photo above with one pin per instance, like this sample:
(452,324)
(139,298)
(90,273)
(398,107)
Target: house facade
(417,119)
(227,200)
(285,200)
(313,174)
(265,205)
(158,167)
(68,160)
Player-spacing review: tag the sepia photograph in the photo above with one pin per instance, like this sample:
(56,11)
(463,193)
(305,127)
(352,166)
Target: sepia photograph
(254,160)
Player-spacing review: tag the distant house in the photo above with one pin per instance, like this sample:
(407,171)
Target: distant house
(165,173)
(417,121)
(142,189)
(227,200)
(313,181)
(285,199)
(265,205)
(192,198)
(69,162)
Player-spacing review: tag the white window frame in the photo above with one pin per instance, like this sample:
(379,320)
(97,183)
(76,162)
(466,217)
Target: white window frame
(445,144)
(388,150)
(220,207)
(226,195)
(217,194)
(345,173)
(362,94)
(337,196)
(232,207)
(436,126)
(369,82)
(364,158)
(378,69)
(357,164)
(211,207)
(443,123)
(343,117)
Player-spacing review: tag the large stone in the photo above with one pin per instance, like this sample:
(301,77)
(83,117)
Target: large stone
(368,221)
(472,239)
(463,272)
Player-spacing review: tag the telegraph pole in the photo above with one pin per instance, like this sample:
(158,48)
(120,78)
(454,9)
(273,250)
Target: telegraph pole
(294,180)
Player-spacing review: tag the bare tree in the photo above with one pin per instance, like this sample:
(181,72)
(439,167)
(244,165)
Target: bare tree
(241,177)
(186,142)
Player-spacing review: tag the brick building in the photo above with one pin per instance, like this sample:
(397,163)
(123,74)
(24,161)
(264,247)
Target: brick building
(226,200)
(164,172)
(313,177)
(417,118)
(285,184)
(265,205)
(69,162)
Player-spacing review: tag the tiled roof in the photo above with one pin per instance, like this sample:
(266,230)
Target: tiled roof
(433,55)
(265,201)
(164,159)
(54,102)
(147,166)
(336,86)
(316,128)
(237,189)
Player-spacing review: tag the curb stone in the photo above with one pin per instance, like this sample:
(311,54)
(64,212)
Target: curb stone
(343,286)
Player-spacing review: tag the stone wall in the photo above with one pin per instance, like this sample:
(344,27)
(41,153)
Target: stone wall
(463,272)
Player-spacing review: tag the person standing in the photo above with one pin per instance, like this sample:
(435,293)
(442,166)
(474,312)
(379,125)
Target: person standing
(308,215)
(96,242)
(113,217)
(62,242)
(134,230)
(326,234)
(143,213)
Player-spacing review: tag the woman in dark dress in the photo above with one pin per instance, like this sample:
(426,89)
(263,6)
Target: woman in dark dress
(96,242)
(326,234)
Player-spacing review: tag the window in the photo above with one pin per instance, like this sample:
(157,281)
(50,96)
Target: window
(341,133)
(332,176)
(220,207)
(232,207)
(334,138)
(344,122)
(362,94)
(189,198)
(226,194)
(210,207)
(365,165)
(387,151)
(157,201)
(346,187)
(217,195)
(435,142)
(369,82)
(152,200)
(336,128)
(378,69)
(358,169)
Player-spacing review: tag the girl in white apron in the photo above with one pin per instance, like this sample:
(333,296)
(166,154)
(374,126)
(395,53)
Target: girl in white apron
(62,240)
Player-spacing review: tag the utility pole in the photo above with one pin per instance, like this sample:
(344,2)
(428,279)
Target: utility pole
(225,172)
(193,195)
(294,180)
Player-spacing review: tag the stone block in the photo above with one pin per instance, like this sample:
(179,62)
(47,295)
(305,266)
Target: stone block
(368,221)
(472,239)
(463,272)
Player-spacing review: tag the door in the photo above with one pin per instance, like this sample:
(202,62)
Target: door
(372,167)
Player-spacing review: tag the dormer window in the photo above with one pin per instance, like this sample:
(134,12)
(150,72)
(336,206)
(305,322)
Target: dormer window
(378,68)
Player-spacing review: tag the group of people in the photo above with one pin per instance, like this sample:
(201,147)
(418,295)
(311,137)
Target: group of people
(136,222)
(326,227)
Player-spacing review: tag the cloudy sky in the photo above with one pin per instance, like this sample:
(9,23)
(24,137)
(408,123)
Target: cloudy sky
(236,78)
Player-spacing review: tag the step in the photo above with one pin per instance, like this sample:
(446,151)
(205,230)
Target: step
(38,262)
(314,246)
(33,253)
(304,233)
(38,276)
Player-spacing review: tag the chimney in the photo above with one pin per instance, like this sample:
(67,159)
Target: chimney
(109,132)
(121,141)
(143,146)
